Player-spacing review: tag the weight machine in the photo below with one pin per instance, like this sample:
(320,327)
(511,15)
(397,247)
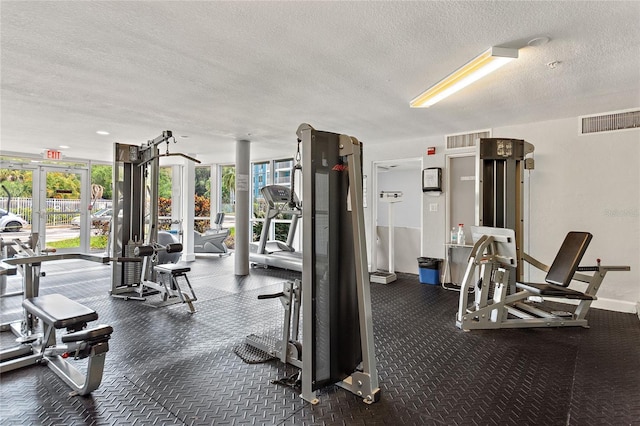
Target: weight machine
(337,332)
(495,256)
(499,188)
(55,312)
(135,247)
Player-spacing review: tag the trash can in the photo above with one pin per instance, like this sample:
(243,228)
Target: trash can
(429,270)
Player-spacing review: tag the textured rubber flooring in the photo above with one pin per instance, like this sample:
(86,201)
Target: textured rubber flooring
(166,366)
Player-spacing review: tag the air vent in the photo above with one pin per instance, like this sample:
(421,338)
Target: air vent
(465,140)
(611,122)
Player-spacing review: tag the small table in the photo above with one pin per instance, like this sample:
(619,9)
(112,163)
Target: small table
(447,264)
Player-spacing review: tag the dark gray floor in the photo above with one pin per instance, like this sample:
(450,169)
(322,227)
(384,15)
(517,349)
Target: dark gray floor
(166,366)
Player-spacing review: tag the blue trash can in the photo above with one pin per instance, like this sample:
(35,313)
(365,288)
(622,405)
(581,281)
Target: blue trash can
(429,270)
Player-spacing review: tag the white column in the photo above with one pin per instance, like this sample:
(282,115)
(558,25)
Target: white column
(188,210)
(243,168)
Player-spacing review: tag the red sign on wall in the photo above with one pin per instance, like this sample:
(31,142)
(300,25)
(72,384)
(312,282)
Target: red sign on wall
(52,154)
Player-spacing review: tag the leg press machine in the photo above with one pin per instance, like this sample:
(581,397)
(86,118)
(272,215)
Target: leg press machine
(497,304)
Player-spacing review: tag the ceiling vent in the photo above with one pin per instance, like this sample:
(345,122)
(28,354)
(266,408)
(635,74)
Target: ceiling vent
(465,140)
(611,122)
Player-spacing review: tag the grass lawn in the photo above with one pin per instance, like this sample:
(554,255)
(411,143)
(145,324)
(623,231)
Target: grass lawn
(97,242)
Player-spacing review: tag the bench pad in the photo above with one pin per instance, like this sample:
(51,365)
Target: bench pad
(552,290)
(59,310)
(172,268)
(99,332)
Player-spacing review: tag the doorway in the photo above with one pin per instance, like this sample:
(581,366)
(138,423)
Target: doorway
(403,175)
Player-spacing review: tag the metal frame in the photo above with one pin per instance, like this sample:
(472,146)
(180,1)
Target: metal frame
(36,348)
(495,254)
(499,188)
(135,220)
(288,348)
(364,381)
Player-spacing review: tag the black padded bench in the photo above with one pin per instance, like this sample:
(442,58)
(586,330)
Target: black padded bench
(56,312)
(562,270)
(60,311)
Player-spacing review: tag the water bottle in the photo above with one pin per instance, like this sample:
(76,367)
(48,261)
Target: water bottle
(461,234)
(454,236)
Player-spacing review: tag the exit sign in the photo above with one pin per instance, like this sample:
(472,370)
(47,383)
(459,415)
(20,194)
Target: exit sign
(52,154)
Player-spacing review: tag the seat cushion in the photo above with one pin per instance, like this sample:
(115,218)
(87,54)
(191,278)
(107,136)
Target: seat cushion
(552,290)
(59,310)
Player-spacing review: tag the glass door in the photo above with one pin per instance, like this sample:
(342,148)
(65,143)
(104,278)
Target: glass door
(63,209)
(16,190)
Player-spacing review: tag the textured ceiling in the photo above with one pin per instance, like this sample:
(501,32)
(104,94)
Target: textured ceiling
(221,71)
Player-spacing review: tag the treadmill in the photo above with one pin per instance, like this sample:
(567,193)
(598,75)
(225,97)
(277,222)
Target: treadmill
(273,253)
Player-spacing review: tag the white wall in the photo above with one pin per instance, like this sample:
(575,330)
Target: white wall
(589,183)
(580,182)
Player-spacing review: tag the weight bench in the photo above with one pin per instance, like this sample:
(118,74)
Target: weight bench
(57,312)
(168,275)
(494,253)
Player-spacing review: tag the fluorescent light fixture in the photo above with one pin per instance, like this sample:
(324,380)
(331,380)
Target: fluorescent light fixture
(102,132)
(474,70)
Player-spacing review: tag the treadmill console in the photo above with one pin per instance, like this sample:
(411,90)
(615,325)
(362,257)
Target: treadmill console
(277,194)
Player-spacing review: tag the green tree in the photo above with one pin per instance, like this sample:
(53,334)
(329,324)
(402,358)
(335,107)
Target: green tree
(19,183)
(228,183)
(63,185)
(103,176)
(164,182)
(203,181)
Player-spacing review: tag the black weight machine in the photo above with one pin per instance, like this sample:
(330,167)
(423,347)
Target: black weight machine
(334,295)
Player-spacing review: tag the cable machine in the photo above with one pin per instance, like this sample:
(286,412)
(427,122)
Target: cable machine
(336,301)
(337,331)
(135,247)
(499,188)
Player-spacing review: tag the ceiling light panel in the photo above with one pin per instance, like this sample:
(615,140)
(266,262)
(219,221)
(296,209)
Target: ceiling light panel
(472,71)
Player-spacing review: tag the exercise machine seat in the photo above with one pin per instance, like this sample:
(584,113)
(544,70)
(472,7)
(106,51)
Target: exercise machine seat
(173,268)
(59,310)
(562,269)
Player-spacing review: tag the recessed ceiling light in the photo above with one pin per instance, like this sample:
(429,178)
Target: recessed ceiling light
(64,146)
(102,132)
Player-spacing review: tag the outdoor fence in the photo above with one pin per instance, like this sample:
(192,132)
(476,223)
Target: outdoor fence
(59,211)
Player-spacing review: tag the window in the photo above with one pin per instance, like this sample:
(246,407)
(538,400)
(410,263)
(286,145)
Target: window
(202,200)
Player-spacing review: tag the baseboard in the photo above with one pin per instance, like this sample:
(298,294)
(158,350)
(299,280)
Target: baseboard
(615,305)
(606,304)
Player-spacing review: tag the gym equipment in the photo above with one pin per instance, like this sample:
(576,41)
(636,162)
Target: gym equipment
(287,346)
(164,256)
(212,240)
(135,225)
(56,312)
(278,254)
(390,197)
(337,331)
(495,254)
(499,188)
